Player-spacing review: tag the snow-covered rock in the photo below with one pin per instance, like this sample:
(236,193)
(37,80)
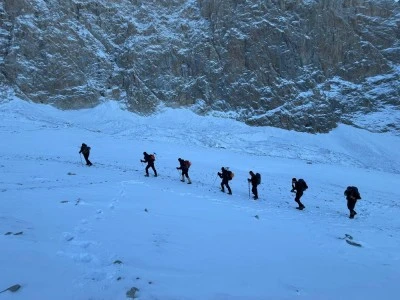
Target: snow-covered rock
(294,64)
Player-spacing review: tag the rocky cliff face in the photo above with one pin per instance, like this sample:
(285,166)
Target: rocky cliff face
(294,64)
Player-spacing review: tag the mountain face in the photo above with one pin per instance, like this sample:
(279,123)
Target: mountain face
(296,64)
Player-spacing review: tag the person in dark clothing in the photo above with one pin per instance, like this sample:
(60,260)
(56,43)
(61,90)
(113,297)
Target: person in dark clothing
(149,159)
(184,166)
(254,182)
(226,176)
(352,195)
(85,150)
(299,189)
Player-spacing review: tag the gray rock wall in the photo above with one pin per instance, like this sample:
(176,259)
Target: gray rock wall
(302,65)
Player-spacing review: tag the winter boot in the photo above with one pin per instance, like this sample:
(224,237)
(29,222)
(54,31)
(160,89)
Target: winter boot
(229,191)
(189,181)
(183,179)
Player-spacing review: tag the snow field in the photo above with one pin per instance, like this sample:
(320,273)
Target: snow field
(74,232)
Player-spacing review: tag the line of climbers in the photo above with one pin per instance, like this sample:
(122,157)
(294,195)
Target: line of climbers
(298,185)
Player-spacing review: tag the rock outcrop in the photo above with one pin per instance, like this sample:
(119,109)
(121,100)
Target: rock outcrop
(295,64)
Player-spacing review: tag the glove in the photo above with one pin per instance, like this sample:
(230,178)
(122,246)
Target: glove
(248,179)
(219,173)
(177,168)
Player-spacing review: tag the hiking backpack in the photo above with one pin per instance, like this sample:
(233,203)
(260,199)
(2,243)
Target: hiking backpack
(352,191)
(152,157)
(85,149)
(187,164)
(230,175)
(303,184)
(258,176)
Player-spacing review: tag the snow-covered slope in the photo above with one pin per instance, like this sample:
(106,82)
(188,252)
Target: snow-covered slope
(68,231)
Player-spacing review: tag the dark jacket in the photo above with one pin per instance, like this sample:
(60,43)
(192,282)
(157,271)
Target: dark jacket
(85,150)
(299,186)
(253,180)
(352,194)
(147,158)
(224,175)
(183,165)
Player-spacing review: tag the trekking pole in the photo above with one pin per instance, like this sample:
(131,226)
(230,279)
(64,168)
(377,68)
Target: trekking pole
(80,155)
(214,181)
